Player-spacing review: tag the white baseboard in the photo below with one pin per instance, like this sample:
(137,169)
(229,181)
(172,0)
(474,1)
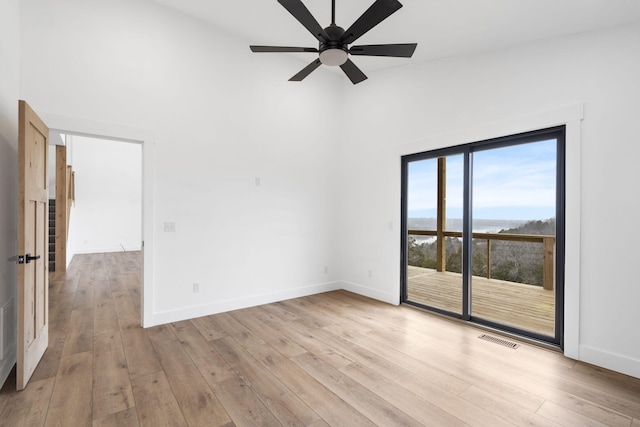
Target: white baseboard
(161,318)
(108,249)
(388,297)
(612,361)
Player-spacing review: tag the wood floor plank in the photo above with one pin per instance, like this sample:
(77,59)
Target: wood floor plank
(303,310)
(566,417)
(247,318)
(420,409)
(136,298)
(605,379)
(155,403)
(364,400)
(130,278)
(209,328)
(505,409)
(116,283)
(48,366)
(422,385)
(243,406)
(279,311)
(71,402)
(79,338)
(288,408)
(359,347)
(105,316)
(141,357)
(332,409)
(451,362)
(341,313)
(111,385)
(237,330)
(83,298)
(124,304)
(599,393)
(590,409)
(211,365)
(198,403)
(127,418)
(509,379)
(305,338)
(28,407)
(101,290)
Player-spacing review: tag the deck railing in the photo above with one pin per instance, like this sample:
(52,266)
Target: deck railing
(548,248)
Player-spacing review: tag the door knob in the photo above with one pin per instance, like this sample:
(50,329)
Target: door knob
(29,258)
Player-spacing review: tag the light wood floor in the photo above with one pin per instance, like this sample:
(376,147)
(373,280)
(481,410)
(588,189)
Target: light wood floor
(523,306)
(332,359)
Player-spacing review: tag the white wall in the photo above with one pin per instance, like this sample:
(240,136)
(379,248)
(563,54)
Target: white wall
(9,92)
(220,117)
(420,107)
(107,212)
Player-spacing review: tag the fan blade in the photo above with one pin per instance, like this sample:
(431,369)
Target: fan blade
(282,49)
(378,12)
(302,14)
(353,72)
(306,71)
(395,50)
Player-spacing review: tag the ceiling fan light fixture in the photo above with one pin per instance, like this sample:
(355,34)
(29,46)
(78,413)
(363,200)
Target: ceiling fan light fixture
(333,57)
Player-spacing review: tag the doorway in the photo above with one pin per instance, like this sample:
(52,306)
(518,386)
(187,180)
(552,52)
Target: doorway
(144,139)
(107,212)
(483,233)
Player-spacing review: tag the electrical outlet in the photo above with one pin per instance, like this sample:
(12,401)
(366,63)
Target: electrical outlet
(326,269)
(169,227)
(196,287)
(370,273)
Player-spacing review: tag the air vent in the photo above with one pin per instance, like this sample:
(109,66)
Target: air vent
(500,341)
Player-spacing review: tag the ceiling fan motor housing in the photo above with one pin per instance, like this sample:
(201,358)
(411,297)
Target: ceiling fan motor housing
(333,52)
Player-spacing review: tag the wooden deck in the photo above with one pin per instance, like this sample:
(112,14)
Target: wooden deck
(523,306)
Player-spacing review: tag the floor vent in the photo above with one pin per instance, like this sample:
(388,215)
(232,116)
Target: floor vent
(500,341)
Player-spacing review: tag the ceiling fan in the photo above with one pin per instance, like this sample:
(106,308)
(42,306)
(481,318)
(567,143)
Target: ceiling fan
(334,41)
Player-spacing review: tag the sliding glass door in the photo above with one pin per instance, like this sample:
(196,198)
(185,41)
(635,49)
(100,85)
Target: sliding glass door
(434,245)
(483,234)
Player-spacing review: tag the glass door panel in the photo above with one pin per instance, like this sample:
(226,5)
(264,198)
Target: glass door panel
(514,235)
(434,233)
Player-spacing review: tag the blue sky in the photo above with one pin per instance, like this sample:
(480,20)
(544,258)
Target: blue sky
(515,182)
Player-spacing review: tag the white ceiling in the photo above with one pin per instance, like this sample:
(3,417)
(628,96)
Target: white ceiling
(442,28)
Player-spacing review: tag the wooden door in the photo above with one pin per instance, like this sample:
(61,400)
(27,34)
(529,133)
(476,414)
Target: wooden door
(33,217)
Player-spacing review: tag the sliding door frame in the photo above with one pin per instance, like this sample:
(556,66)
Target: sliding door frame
(559,134)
